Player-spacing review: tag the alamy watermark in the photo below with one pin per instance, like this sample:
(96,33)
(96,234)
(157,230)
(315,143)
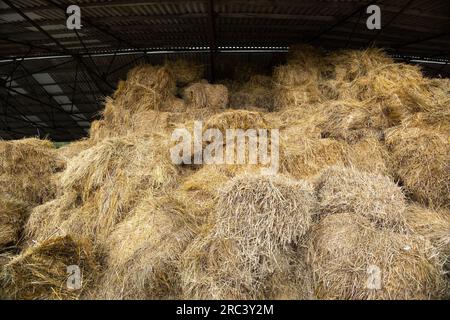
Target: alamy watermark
(74,278)
(238,146)
(373,278)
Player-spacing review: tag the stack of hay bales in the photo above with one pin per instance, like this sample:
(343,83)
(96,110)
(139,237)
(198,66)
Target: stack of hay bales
(28,176)
(141,227)
(361,247)
(144,252)
(101,186)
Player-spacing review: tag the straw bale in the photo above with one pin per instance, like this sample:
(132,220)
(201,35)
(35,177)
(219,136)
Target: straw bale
(256,93)
(12,217)
(40,272)
(421,158)
(346,190)
(434,225)
(103,184)
(347,250)
(370,155)
(144,251)
(204,95)
(306,157)
(258,220)
(27,167)
(146,88)
(184,71)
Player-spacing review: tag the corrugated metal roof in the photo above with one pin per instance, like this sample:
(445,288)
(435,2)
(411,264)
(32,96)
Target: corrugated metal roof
(414,28)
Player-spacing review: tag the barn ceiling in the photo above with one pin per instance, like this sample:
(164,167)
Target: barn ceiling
(53,80)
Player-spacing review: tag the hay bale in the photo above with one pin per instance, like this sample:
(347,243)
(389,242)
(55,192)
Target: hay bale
(272,210)
(204,95)
(41,272)
(345,247)
(421,158)
(299,82)
(12,217)
(213,268)
(306,157)
(376,197)
(144,252)
(200,190)
(56,218)
(103,184)
(146,88)
(370,75)
(256,93)
(236,119)
(184,71)
(433,225)
(370,155)
(258,219)
(174,104)
(26,169)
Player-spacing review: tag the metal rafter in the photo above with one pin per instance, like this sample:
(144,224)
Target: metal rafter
(211,38)
(386,26)
(48,35)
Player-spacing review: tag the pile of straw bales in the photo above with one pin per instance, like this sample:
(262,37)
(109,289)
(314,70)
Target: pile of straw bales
(358,210)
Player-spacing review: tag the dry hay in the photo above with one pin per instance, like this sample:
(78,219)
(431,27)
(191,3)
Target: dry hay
(349,120)
(421,158)
(345,247)
(376,197)
(119,122)
(204,95)
(40,272)
(301,81)
(370,75)
(256,93)
(236,119)
(74,148)
(439,120)
(258,219)
(370,155)
(99,131)
(27,167)
(306,157)
(144,252)
(184,71)
(353,64)
(174,104)
(102,185)
(213,268)
(200,190)
(433,225)
(12,217)
(146,88)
